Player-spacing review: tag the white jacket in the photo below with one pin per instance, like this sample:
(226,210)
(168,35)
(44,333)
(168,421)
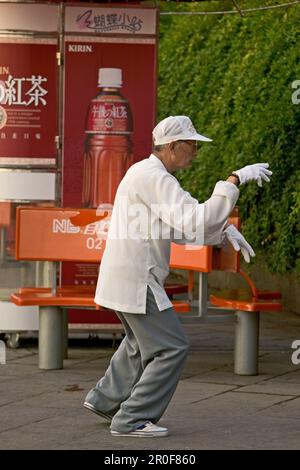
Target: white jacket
(150,210)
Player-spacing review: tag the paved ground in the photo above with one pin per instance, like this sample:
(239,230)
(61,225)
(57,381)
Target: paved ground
(211,409)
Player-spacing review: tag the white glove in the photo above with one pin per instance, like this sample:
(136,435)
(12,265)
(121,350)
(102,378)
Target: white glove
(257,172)
(238,242)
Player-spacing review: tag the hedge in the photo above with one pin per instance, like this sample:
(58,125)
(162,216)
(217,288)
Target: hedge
(233,76)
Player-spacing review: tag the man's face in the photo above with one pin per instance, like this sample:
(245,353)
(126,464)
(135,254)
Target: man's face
(183,153)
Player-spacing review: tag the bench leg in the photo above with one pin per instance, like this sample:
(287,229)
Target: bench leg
(203,294)
(246,343)
(65,333)
(50,338)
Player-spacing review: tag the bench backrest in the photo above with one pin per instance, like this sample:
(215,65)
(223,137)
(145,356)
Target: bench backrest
(58,234)
(5,214)
(207,258)
(192,258)
(63,234)
(226,258)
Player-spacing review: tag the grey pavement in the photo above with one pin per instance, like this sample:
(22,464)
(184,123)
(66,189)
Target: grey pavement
(212,408)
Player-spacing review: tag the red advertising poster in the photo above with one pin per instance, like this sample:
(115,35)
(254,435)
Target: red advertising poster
(109,105)
(126,115)
(28,101)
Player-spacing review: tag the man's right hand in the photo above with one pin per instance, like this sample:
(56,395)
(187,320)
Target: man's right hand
(238,242)
(256,172)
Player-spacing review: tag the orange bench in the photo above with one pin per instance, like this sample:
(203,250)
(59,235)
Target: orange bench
(5,222)
(246,304)
(60,234)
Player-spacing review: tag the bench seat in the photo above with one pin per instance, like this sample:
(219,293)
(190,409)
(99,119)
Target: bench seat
(60,299)
(247,311)
(171,289)
(69,298)
(238,299)
(53,322)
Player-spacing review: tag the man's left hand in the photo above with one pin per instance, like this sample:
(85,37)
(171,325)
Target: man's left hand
(238,242)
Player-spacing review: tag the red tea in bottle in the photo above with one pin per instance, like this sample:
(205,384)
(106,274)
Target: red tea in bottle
(108,146)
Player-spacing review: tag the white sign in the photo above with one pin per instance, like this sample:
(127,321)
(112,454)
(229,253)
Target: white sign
(26,185)
(113,20)
(28,17)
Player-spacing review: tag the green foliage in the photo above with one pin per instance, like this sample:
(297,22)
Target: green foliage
(233,76)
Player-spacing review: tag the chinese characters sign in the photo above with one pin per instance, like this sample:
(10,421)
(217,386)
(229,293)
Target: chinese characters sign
(111,20)
(12,91)
(108,117)
(28,102)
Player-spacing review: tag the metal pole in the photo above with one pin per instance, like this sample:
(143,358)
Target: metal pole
(203,294)
(2,353)
(60,103)
(54,278)
(64,314)
(50,338)
(246,343)
(3,244)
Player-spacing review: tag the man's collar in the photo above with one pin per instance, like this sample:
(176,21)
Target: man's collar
(157,161)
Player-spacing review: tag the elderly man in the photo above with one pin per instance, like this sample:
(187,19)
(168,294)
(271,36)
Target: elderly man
(150,210)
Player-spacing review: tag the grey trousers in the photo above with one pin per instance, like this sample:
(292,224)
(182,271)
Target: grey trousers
(144,371)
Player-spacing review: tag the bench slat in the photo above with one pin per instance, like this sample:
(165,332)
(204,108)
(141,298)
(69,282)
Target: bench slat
(63,299)
(246,305)
(47,299)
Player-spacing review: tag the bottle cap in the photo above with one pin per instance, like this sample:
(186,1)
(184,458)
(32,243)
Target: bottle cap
(110,78)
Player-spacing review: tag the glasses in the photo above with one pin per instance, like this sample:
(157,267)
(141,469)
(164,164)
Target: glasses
(194,143)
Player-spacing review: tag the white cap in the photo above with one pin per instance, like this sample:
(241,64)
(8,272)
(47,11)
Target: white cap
(175,128)
(110,78)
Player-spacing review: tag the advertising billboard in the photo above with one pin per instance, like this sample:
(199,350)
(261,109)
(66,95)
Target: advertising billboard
(109,108)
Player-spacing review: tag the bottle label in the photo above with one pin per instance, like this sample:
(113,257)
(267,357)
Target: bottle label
(108,117)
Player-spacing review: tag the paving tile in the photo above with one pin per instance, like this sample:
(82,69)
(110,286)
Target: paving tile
(13,417)
(287,409)
(235,404)
(273,387)
(189,391)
